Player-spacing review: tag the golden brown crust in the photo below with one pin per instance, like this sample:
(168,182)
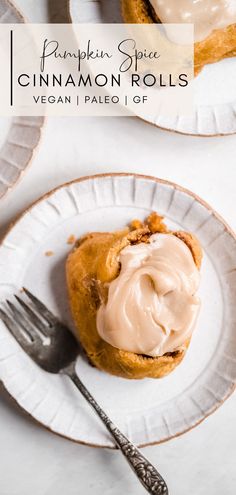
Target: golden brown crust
(193,244)
(92,264)
(220,44)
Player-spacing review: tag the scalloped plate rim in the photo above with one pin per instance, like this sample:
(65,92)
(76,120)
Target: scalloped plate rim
(41,122)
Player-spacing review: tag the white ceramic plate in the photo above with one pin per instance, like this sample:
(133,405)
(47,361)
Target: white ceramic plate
(215,94)
(148,411)
(19,136)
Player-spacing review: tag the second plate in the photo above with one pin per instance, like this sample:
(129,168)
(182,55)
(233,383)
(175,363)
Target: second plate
(214,89)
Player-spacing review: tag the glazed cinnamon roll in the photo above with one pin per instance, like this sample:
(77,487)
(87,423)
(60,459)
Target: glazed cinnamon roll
(133,297)
(214,23)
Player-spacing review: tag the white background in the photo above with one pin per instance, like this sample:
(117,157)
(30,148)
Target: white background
(34,461)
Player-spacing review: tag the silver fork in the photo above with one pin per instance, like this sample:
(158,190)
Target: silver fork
(53,347)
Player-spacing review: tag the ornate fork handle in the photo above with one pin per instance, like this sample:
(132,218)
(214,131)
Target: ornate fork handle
(145,471)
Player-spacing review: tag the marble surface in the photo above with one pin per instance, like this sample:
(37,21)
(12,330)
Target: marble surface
(202,462)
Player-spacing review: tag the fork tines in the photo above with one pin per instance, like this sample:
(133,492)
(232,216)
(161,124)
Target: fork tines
(24,324)
(40,308)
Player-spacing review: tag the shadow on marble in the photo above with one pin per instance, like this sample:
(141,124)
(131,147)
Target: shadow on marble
(11,406)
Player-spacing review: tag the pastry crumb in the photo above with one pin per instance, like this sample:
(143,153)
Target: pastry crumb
(49,253)
(71,239)
(155,223)
(136,224)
